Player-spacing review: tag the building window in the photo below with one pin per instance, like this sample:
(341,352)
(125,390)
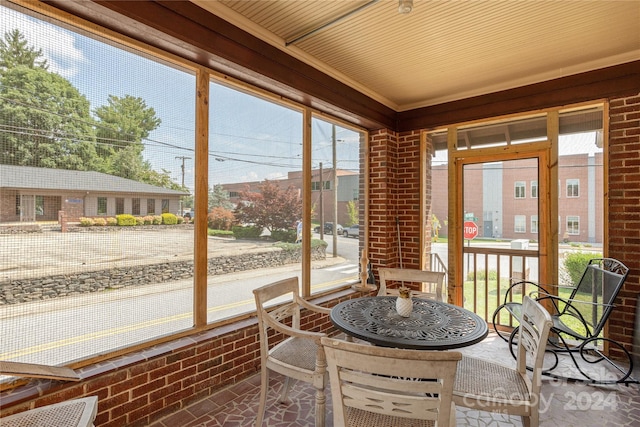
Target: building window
(534,223)
(135,206)
(151,206)
(534,189)
(102,206)
(119,205)
(573,225)
(233,194)
(520,190)
(165,205)
(520,224)
(39,205)
(315,185)
(17,204)
(573,188)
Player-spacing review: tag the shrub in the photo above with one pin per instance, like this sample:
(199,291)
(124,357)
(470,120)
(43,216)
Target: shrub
(220,233)
(220,219)
(180,219)
(111,221)
(169,219)
(576,262)
(126,220)
(148,220)
(288,236)
(248,232)
(482,274)
(139,220)
(86,222)
(157,220)
(100,222)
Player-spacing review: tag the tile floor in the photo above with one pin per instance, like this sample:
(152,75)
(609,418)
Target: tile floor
(563,404)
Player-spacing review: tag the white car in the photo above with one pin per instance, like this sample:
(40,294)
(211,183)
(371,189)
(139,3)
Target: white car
(352,231)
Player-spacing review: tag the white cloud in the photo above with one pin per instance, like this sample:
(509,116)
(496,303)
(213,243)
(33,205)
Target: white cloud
(276,175)
(58,45)
(251,176)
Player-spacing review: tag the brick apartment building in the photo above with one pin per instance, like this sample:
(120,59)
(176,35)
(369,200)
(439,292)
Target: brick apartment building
(502,198)
(323,198)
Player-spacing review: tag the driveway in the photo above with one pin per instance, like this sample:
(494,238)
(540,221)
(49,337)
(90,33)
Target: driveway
(49,253)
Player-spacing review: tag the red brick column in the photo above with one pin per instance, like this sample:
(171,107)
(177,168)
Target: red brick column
(408,196)
(395,196)
(383,242)
(624,210)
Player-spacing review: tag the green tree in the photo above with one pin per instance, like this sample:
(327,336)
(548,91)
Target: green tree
(219,197)
(272,207)
(159,179)
(47,122)
(15,52)
(124,123)
(352,210)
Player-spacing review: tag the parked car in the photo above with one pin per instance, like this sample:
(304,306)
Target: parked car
(328,228)
(353,231)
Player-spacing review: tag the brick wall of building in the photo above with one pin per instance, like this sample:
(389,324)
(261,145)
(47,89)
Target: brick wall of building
(624,210)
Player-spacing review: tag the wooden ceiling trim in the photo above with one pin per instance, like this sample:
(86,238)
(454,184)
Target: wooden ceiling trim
(618,80)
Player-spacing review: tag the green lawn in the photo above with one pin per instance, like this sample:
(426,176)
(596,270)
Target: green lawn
(487,300)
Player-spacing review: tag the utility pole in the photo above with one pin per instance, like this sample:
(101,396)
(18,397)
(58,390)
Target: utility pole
(335,191)
(183,158)
(321,206)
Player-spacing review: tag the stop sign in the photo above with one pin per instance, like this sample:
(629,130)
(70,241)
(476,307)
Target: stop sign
(470,230)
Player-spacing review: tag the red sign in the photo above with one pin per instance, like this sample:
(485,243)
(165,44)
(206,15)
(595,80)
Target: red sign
(470,230)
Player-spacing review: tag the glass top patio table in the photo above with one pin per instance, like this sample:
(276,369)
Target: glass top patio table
(433,325)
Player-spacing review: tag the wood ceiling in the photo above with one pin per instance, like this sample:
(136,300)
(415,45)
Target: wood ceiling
(443,50)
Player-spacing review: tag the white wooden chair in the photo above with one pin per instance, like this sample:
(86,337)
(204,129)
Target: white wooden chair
(300,356)
(71,413)
(431,282)
(489,386)
(377,386)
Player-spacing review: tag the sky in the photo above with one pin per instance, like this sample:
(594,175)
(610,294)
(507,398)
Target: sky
(250,139)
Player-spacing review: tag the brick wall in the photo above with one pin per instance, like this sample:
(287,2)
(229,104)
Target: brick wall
(142,387)
(624,210)
(383,238)
(395,195)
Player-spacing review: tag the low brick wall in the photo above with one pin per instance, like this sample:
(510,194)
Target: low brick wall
(34,289)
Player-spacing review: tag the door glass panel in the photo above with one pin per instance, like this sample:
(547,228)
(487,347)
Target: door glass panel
(500,245)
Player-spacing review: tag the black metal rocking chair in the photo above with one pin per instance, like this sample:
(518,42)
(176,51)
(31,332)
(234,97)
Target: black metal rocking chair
(578,321)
